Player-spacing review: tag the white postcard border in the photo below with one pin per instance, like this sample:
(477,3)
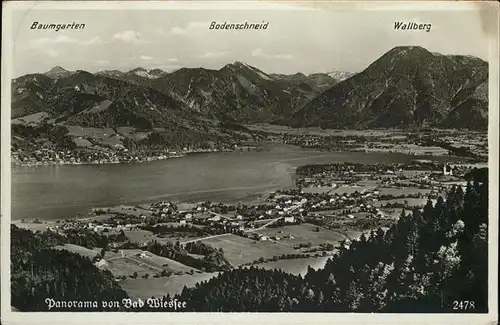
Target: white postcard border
(9,317)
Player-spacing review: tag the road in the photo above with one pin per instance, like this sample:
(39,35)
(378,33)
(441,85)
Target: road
(140,262)
(263,226)
(204,238)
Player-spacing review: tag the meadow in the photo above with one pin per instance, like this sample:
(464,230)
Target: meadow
(303,234)
(146,288)
(79,250)
(239,250)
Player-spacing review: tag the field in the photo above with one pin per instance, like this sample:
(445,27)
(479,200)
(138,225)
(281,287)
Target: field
(34,226)
(136,211)
(102,135)
(343,189)
(146,288)
(320,132)
(409,202)
(33,118)
(407,149)
(79,250)
(126,266)
(404,191)
(295,266)
(153,264)
(98,133)
(138,235)
(317,190)
(239,250)
(82,143)
(158,261)
(303,234)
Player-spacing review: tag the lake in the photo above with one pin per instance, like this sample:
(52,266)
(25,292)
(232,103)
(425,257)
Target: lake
(54,192)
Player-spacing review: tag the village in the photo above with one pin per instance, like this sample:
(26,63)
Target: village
(95,146)
(43,155)
(429,142)
(290,229)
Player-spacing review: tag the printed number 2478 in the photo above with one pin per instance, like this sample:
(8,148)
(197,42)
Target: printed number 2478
(464,305)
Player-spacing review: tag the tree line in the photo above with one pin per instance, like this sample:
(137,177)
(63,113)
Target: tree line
(426,262)
(38,272)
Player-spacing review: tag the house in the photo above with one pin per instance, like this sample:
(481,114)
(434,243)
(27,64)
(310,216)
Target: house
(239,217)
(289,219)
(144,254)
(101,263)
(215,218)
(447,170)
(188,216)
(182,222)
(264,238)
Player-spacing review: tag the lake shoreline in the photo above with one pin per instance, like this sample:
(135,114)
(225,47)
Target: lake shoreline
(140,161)
(59,193)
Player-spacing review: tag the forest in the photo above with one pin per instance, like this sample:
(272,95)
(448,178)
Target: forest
(429,261)
(38,271)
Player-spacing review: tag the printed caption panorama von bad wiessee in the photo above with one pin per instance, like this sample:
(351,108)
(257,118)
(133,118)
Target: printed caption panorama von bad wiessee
(153,303)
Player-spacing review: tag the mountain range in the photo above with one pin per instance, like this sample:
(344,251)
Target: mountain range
(407,86)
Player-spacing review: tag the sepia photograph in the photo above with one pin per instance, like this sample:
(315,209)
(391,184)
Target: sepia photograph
(264,158)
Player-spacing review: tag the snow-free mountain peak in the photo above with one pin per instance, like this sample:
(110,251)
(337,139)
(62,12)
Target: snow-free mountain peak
(147,73)
(57,72)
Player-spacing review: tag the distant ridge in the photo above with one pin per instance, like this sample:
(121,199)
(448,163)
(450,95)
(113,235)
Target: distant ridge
(407,86)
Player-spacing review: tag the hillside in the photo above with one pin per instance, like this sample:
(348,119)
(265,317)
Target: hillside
(39,271)
(429,259)
(147,98)
(95,101)
(237,92)
(317,81)
(407,86)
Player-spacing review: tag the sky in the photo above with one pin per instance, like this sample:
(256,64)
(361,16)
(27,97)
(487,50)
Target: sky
(306,41)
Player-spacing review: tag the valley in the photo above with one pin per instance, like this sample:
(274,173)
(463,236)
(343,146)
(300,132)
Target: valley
(167,183)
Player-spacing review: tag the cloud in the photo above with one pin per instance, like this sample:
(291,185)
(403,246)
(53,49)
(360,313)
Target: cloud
(41,43)
(260,53)
(92,41)
(51,52)
(145,58)
(172,60)
(61,39)
(101,62)
(169,68)
(191,28)
(129,36)
(212,55)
